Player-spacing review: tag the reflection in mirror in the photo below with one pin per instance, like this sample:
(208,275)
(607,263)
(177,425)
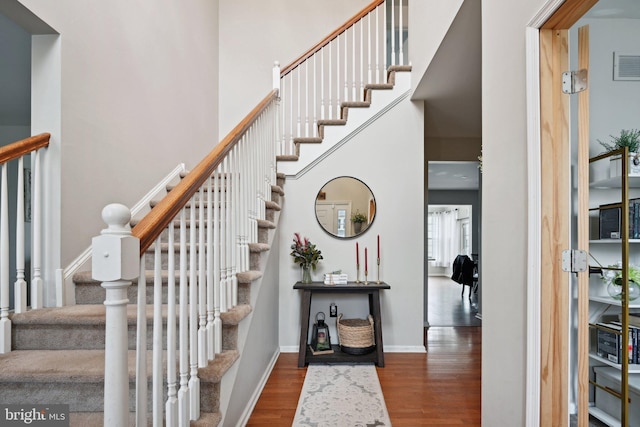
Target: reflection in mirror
(345,207)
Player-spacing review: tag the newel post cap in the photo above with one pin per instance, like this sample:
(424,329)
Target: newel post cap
(115,253)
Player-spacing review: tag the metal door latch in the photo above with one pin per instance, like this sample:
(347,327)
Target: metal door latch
(574,260)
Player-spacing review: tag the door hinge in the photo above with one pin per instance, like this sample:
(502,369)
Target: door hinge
(574,260)
(574,81)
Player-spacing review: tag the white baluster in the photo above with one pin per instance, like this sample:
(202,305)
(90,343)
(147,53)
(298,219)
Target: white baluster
(36,221)
(314,128)
(211,277)
(346,70)
(299,109)
(393,33)
(338,72)
(5,323)
(228,250)
(369,56)
(378,35)
(183,392)
(322,78)
(20,286)
(194,381)
(291,146)
(276,76)
(306,98)
(354,54)
(223,239)
(115,262)
(400,36)
(172,377)
(329,87)
(235,229)
(158,379)
(141,347)
(202,283)
(217,322)
(362,60)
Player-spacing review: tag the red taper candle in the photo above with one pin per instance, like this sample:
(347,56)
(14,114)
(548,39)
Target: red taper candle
(357,255)
(365,261)
(378,246)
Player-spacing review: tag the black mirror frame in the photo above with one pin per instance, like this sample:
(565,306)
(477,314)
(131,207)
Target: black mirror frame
(372,198)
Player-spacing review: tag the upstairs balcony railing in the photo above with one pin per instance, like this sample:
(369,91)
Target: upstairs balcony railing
(26,212)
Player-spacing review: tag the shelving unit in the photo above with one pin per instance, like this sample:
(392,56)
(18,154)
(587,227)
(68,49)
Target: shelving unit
(611,192)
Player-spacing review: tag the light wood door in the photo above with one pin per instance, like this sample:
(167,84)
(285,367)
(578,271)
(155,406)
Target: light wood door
(583,232)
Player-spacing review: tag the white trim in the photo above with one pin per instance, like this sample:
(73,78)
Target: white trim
(545,12)
(251,404)
(534,237)
(532,53)
(64,284)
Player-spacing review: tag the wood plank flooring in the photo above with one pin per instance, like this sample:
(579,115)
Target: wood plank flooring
(439,388)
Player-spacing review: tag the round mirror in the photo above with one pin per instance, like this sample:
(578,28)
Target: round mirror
(345,207)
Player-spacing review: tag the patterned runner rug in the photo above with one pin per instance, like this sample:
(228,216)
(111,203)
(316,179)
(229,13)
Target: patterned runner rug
(341,396)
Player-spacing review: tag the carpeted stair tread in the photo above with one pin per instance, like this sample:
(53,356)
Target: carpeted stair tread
(355,104)
(235,315)
(248,277)
(277,189)
(263,223)
(272,205)
(55,366)
(207,419)
(307,140)
(216,369)
(379,86)
(259,247)
(86,314)
(287,158)
(332,122)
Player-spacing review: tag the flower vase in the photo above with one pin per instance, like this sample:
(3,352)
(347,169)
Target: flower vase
(614,289)
(306,273)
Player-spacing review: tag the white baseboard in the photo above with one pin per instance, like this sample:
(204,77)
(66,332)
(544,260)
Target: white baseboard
(289,349)
(251,404)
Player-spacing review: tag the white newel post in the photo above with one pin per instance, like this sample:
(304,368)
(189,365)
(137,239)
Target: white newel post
(276,76)
(115,262)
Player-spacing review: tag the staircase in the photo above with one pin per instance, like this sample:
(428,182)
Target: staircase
(58,355)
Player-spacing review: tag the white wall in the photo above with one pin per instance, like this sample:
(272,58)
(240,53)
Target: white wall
(504,210)
(389,157)
(139,95)
(614,105)
(256,33)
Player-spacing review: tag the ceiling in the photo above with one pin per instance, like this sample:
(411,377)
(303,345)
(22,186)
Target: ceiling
(454,176)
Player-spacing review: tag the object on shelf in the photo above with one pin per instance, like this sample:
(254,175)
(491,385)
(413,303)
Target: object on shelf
(335,278)
(610,404)
(320,338)
(356,336)
(613,279)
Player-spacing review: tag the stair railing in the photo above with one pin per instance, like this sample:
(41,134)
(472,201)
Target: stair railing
(18,151)
(222,199)
(337,69)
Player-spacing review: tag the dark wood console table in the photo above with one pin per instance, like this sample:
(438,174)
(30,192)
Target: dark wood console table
(372,289)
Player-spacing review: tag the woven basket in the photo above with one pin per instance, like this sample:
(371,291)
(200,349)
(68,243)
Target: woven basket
(355,335)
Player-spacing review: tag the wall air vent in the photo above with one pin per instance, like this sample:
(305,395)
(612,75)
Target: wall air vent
(626,66)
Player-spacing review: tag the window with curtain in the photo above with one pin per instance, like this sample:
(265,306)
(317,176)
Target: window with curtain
(445,237)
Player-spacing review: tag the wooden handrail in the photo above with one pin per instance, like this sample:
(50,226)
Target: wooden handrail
(286,70)
(24,146)
(150,227)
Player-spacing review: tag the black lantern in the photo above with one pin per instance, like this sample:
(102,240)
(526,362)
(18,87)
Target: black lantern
(320,339)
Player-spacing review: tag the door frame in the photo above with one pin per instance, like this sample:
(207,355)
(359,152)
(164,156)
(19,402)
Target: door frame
(549,211)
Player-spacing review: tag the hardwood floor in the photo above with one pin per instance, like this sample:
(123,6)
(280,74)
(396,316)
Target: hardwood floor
(439,388)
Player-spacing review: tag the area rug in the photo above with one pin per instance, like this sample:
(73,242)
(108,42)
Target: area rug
(341,396)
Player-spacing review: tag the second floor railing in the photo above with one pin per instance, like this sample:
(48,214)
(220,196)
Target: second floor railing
(335,71)
(26,211)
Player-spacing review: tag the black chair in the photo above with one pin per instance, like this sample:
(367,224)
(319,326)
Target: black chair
(463,272)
